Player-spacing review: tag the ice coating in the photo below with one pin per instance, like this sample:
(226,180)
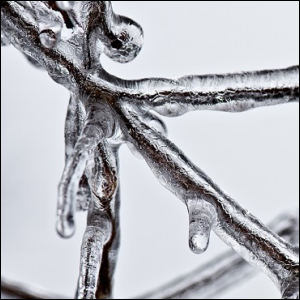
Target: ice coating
(102,234)
(229,92)
(206,282)
(234,225)
(73,127)
(224,271)
(75,166)
(154,122)
(49,38)
(4,40)
(67,41)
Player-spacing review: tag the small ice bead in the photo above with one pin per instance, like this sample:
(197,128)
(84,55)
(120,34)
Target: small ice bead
(65,5)
(201,220)
(50,36)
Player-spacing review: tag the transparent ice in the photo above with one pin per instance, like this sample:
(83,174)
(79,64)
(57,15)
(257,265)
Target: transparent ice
(67,38)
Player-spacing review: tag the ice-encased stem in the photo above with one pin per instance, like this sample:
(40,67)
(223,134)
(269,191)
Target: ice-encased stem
(234,92)
(110,255)
(73,127)
(73,124)
(170,97)
(69,184)
(4,40)
(101,240)
(234,225)
(205,282)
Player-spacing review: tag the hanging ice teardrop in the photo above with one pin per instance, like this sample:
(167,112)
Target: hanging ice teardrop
(202,217)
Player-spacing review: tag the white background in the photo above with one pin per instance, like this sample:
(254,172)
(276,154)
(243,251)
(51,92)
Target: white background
(253,155)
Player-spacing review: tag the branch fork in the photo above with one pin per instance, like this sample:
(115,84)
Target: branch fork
(67,38)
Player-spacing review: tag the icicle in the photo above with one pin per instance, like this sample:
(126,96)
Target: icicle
(67,192)
(73,126)
(90,261)
(202,217)
(101,238)
(69,183)
(109,100)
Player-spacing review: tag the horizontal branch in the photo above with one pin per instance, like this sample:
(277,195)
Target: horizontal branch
(229,92)
(209,207)
(234,92)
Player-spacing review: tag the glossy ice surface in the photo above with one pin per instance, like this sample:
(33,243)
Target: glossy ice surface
(105,111)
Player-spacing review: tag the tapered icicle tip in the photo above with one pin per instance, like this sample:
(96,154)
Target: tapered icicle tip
(65,227)
(202,217)
(198,243)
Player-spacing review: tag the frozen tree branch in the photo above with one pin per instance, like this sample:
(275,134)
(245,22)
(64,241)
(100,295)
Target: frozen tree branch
(73,127)
(205,282)
(66,38)
(223,272)
(231,92)
(101,238)
(209,207)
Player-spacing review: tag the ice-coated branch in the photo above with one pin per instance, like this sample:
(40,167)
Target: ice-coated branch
(229,92)
(235,92)
(66,38)
(120,36)
(101,239)
(73,127)
(4,40)
(206,201)
(223,272)
(73,172)
(98,125)
(205,282)
(109,257)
